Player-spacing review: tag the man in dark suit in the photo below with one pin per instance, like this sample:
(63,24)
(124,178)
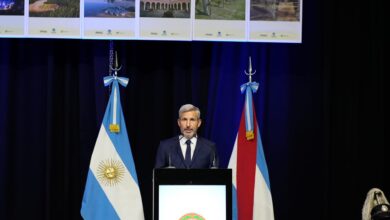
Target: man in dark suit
(187,150)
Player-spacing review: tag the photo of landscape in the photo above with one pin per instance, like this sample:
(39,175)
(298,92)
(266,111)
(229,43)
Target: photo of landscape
(54,8)
(220,9)
(11,7)
(275,10)
(109,8)
(165,8)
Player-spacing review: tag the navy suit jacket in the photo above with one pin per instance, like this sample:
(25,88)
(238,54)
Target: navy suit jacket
(205,154)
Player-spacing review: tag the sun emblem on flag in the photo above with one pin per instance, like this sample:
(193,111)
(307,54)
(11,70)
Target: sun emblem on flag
(111,172)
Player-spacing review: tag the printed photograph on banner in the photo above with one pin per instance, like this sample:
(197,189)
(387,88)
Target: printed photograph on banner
(275,21)
(109,8)
(54,8)
(11,18)
(220,9)
(275,10)
(165,8)
(11,7)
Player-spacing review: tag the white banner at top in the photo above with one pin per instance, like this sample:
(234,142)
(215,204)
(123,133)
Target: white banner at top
(199,20)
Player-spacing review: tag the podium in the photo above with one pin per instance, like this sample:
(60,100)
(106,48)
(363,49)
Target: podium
(202,194)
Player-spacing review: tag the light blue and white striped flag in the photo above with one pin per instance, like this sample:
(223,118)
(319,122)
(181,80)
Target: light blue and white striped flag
(112,190)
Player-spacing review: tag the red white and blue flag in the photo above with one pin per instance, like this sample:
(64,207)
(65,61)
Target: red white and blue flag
(252,198)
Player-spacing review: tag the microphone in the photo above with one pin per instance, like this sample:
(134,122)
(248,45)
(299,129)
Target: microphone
(381,209)
(213,162)
(169,162)
(376,206)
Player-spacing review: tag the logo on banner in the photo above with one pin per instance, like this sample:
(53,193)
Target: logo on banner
(191,216)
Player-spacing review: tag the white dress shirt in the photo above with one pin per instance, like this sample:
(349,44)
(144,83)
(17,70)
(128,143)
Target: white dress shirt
(183,145)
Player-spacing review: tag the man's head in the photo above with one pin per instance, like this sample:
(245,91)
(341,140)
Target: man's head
(189,120)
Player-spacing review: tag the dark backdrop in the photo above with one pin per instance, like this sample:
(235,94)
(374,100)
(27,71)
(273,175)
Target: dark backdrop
(320,107)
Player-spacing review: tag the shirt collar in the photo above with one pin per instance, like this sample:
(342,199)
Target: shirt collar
(183,140)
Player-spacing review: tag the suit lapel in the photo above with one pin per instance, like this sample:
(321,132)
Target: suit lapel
(197,147)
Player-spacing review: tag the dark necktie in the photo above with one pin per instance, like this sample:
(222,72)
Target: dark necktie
(187,158)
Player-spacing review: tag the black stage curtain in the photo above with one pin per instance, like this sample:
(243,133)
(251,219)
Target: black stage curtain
(319,106)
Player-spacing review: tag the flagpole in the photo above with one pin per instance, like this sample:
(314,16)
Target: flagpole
(249,88)
(110,61)
(112,190)
(114,127)
(252,199)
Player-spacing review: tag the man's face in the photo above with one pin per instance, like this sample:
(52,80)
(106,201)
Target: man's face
(189,124)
